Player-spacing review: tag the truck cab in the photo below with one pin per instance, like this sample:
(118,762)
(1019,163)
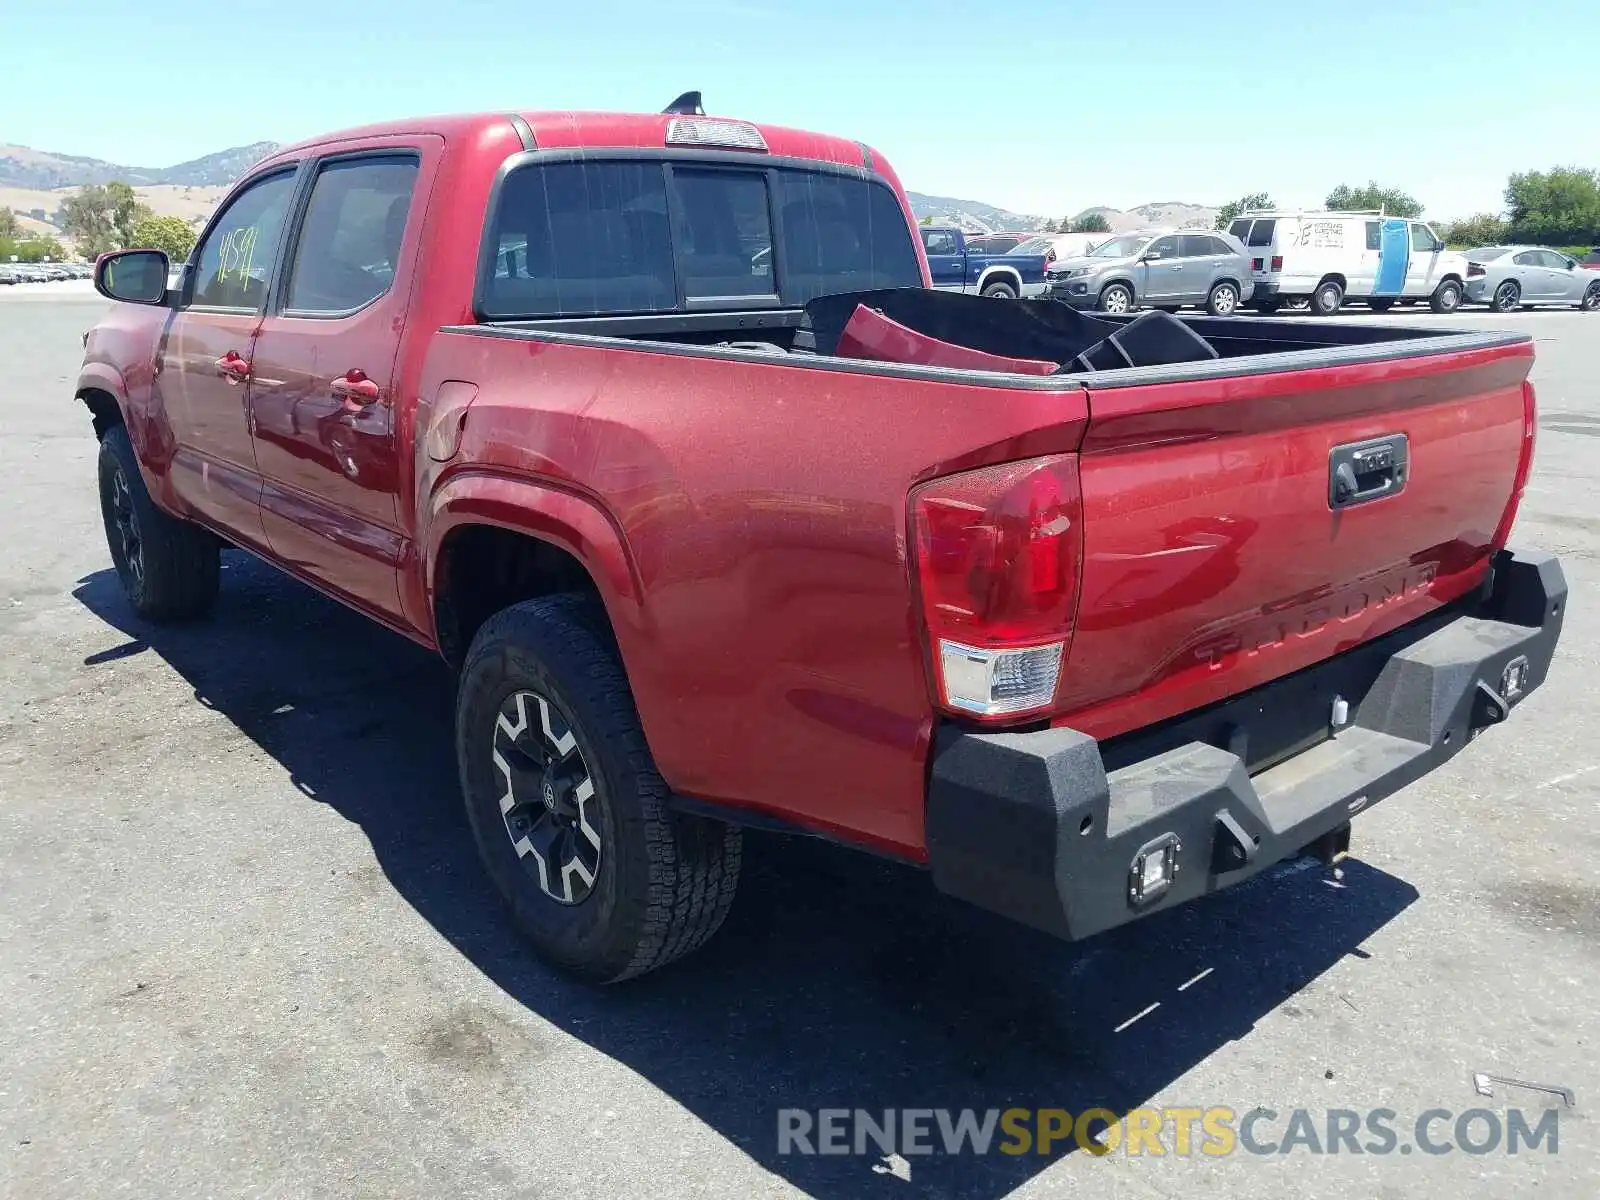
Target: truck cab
(957,265)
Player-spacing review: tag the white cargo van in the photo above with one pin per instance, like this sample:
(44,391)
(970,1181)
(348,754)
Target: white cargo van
(1329,257)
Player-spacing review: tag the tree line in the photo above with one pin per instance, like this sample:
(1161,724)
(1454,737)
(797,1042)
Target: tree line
(1559,207)
(99,218)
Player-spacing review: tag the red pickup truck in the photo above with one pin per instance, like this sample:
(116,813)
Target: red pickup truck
(650,426)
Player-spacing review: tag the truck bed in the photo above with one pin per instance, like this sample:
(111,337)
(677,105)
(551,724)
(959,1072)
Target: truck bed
(1211,561)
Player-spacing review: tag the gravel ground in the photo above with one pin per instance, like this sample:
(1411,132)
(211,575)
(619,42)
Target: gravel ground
(245,949)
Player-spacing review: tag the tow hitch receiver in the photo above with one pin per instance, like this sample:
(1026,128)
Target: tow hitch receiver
(1332,848)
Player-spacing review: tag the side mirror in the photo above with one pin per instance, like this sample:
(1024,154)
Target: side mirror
(1150,256)
(132,276)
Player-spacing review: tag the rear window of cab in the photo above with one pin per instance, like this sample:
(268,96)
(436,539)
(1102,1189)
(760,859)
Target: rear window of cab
(616,237)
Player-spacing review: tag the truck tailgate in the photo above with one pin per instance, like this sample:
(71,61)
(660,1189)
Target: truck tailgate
(1216,557)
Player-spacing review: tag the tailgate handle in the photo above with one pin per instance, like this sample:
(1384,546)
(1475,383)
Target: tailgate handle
(1369,470)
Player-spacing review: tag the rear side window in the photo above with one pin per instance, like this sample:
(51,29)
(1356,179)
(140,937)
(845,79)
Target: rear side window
(579,239)
(1374,235)
(938,241)
(593,238)
(1261,233)
(349,243)
(1199,245)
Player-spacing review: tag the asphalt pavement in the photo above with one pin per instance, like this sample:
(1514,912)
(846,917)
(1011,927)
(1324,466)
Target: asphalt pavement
(246,950)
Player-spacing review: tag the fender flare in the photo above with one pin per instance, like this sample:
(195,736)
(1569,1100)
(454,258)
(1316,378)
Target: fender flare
(567,519)
(1010,274)
(103,377)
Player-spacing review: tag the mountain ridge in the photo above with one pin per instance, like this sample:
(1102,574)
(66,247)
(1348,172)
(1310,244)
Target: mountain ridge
(22,167)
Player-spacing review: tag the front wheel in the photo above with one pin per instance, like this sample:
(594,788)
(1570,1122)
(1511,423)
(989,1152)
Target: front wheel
(1000,291)
(1591,299)
(1446,297)
(1328,298)
(567,809)
(1223,300)
(169,568)
(1116,298)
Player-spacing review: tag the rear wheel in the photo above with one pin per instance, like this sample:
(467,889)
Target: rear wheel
(568,811)
(1506,297)
(1446,297)
(1223,300)
(1328,298)
(1116,298)
(1591,298)
(1000,291)
(169,569)
(1381,304)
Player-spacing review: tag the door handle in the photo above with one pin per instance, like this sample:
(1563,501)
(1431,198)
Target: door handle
(354,386)
(233,367)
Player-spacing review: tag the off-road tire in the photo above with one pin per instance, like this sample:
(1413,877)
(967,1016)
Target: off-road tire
(665,880)
(170,569)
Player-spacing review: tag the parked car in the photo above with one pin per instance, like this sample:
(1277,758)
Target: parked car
(995,243)
(1591,260)
(1508,277)
(1162,268)
(956,265)
(699,569)
(1059,246)
(9,275)
(1328,257)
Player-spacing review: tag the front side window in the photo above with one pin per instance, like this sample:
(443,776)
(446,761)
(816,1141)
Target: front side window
(236,258)
(1549,258)
(1422,239)
(349,244)
(1165,247)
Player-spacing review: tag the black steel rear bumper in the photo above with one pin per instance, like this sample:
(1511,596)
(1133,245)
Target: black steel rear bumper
(1056,830)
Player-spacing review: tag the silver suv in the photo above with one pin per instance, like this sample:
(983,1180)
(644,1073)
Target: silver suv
(1161,268)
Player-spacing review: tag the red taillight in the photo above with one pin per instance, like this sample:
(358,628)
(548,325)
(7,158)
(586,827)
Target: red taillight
(1530,429)
(1475,269)
(1277,262)
(998,551)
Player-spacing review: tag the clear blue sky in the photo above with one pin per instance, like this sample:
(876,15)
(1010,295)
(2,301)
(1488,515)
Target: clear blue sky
(1041,106)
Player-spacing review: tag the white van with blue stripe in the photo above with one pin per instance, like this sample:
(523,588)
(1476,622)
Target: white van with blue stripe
(1327,258)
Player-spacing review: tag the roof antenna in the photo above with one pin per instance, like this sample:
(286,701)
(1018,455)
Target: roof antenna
(686,105)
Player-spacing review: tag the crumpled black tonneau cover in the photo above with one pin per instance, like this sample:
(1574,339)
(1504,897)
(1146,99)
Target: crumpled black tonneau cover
(1038,329)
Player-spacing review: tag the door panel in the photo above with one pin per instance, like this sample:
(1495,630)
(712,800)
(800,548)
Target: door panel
(1394,258)
(204,359)
(1422,274)
(947,266)
(1164,276)
(322,393)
